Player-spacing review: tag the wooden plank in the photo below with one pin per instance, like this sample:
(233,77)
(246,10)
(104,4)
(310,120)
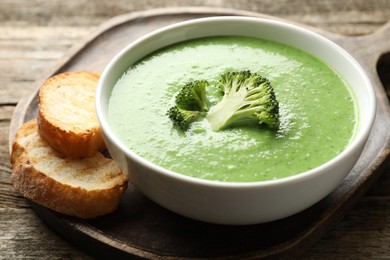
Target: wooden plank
(285,237)
(337,16)
(345,17)
(30,236)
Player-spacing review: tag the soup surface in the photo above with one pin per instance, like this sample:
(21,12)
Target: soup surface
(318,115)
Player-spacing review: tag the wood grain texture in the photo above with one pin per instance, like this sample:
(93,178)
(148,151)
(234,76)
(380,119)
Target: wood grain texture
(35,34)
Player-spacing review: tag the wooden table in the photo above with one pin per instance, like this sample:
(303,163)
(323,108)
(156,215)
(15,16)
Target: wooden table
(35,34)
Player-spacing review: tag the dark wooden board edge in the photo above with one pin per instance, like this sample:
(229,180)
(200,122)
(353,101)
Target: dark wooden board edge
(65,226)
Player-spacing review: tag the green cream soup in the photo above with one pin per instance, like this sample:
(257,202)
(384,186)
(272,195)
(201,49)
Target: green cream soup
(318,115)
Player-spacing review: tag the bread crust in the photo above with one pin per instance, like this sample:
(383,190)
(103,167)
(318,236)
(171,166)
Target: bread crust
(23,137)
(61,197)
(56,159)
(75,136)
(85,188)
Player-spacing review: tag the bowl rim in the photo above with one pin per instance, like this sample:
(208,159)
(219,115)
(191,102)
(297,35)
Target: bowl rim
(359,139)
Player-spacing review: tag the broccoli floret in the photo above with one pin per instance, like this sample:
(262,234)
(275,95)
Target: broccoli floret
(192,96)
(190,102)
(248,99)
(182,118)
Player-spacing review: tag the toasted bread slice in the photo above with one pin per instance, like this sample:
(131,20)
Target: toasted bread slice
(84,188)
(67,116)
(25,134)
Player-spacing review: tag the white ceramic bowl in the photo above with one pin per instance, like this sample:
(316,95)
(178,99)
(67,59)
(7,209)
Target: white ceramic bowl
(238,203)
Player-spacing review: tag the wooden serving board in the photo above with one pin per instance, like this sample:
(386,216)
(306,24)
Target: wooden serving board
(142,229)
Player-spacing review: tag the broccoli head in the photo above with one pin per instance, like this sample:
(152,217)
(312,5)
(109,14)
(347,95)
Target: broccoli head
(247,98)
(192,96)
(182,118)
